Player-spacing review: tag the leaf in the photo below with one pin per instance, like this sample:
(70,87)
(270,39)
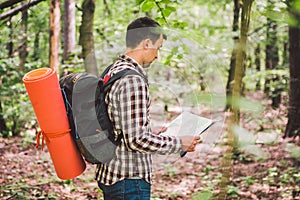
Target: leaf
(175,50)
(168,10)
(139,2)
(168,59)
(179,24)
(148,5)
(180,56)
(160,20)
(164,1)
(295,5)
(171,8)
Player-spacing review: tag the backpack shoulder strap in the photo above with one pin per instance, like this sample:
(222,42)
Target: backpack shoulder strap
(106,71)
(122,73)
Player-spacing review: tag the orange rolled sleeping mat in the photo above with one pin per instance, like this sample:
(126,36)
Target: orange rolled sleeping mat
(44,92)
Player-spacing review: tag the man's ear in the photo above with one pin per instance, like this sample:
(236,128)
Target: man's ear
(146,43)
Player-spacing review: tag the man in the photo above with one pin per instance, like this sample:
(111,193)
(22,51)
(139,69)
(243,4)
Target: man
(128,175)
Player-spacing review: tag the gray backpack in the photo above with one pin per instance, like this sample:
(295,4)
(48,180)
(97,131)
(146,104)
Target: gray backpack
(91,128)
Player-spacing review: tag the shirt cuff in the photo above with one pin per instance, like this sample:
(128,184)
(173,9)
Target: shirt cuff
(177,146)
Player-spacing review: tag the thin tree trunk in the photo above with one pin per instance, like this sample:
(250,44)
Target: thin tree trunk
(10,44)
(240,66)
(272,60)
(23,45)
(293,125)
(234,114)
(3,126)
(69,28)
(285,59)
(235,28)
(36,46)
(54,35)
(258,65)
(86,39)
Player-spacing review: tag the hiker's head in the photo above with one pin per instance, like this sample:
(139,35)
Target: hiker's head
(144,38)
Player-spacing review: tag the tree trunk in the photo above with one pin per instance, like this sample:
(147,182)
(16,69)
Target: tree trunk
(3,127)
(10,44)
(234,114)
(285,57)
(23,45)
(69,28)
(235,27)
(272,60)
(86,39)
(240,66)
(36,47)
(54,35)
(293,125)
(257,65)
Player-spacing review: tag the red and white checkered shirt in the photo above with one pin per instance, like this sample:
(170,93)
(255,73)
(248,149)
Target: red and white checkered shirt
(128,107)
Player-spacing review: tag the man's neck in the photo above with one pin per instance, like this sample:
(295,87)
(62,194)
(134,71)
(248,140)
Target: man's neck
(134,54)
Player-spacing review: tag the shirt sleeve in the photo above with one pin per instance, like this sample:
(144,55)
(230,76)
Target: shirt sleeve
(134,103)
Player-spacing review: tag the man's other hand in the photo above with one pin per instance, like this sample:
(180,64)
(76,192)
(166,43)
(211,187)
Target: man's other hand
(188,143)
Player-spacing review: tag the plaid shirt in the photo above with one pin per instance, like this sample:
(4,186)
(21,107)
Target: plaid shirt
(128,107)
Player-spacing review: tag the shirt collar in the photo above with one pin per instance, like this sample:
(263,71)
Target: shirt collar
(134,63)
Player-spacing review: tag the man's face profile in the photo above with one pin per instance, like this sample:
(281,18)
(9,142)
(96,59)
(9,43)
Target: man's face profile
(152,51)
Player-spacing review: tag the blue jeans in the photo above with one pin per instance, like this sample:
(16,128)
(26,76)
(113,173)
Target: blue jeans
(127,189)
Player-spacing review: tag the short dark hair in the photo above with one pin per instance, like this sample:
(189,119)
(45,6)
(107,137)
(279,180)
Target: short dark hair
(143,28)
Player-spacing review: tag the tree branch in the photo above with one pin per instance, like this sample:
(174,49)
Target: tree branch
(107,7)
(9,3)
(78,7)
(161,11)
(15,10)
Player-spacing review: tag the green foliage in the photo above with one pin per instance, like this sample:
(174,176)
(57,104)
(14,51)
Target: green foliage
(203,195)
(248,180)
(232,191)
(170,170)
(16,109)
(277,80)
(293,18)
(22,190)
(272,176)
(148,5)
(210,181)
(18,114)
(164,7)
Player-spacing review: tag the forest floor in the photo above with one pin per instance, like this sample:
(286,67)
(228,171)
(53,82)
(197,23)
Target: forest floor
(28,173)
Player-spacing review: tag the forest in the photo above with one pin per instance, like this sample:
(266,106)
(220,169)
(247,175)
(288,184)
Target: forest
(233,61)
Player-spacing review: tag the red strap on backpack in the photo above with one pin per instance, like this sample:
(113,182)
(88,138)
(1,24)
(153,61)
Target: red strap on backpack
(106,79)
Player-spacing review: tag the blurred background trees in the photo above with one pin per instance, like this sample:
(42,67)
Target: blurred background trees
(91,34)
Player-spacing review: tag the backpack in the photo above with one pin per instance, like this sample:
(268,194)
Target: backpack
(91,128)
